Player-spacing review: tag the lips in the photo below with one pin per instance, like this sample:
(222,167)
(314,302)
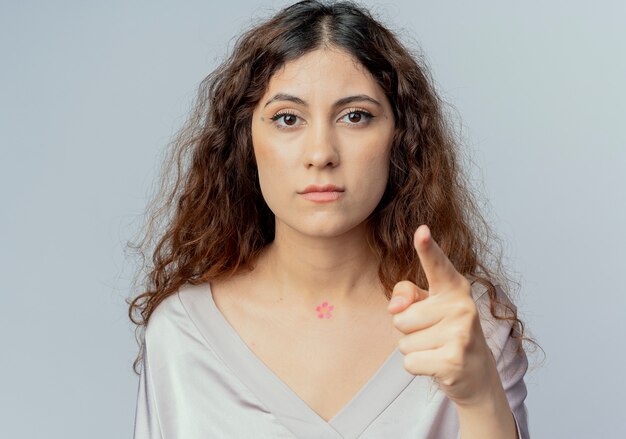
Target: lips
(322,188)
(322,193)
(322,197)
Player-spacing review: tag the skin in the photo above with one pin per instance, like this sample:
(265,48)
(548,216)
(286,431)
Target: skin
(444,339)
(320,250)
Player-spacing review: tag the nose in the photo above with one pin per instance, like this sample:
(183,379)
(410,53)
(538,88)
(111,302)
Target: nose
(321,148)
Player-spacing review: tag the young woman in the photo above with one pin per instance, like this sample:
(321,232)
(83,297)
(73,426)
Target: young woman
(317,180)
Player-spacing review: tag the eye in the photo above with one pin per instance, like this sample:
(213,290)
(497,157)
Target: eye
(356,117)
(288,118)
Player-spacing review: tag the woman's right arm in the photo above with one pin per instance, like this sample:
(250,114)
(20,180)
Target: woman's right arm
(147,425)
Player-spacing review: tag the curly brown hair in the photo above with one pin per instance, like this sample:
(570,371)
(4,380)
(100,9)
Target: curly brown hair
(211,218)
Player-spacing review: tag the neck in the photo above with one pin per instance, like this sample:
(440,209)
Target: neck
(312,270)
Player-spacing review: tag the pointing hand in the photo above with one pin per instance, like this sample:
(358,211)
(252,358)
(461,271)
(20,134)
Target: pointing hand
(443,336)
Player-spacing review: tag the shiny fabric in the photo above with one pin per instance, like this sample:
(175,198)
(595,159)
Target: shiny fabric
(199,380)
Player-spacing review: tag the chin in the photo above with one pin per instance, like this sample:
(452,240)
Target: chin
(327,229)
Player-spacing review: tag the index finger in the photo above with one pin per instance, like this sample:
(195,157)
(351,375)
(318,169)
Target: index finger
(439,271)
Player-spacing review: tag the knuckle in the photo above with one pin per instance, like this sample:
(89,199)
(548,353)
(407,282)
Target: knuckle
(397,320)
(408,363)
(466,284)
(464,281)
(461,282)
(403,345)
(465,307)
(454,357)
(460,334)
(404,285)
(450,381)
(449,356)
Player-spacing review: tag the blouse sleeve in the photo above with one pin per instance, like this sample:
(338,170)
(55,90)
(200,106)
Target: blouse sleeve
(147,424)
(512,368)
(511,365)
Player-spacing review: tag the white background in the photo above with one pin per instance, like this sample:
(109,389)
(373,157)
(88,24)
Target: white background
(91,93)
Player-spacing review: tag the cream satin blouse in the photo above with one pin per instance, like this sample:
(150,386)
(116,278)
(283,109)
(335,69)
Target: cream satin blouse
(199,380)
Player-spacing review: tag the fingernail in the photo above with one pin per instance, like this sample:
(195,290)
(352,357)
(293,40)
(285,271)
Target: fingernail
(398,300)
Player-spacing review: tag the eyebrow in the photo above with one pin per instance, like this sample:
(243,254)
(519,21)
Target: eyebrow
(338,103)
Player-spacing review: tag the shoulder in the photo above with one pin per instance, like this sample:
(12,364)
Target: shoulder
(497,332)
(168,326)
(165,315)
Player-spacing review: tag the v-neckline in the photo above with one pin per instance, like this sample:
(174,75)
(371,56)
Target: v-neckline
(383,387)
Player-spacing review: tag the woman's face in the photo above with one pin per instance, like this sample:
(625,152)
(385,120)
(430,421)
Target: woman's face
(313,126)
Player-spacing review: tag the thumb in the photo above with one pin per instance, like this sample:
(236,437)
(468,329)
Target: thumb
(404,294)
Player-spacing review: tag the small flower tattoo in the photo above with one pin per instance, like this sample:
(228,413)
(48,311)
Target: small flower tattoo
(324,310)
